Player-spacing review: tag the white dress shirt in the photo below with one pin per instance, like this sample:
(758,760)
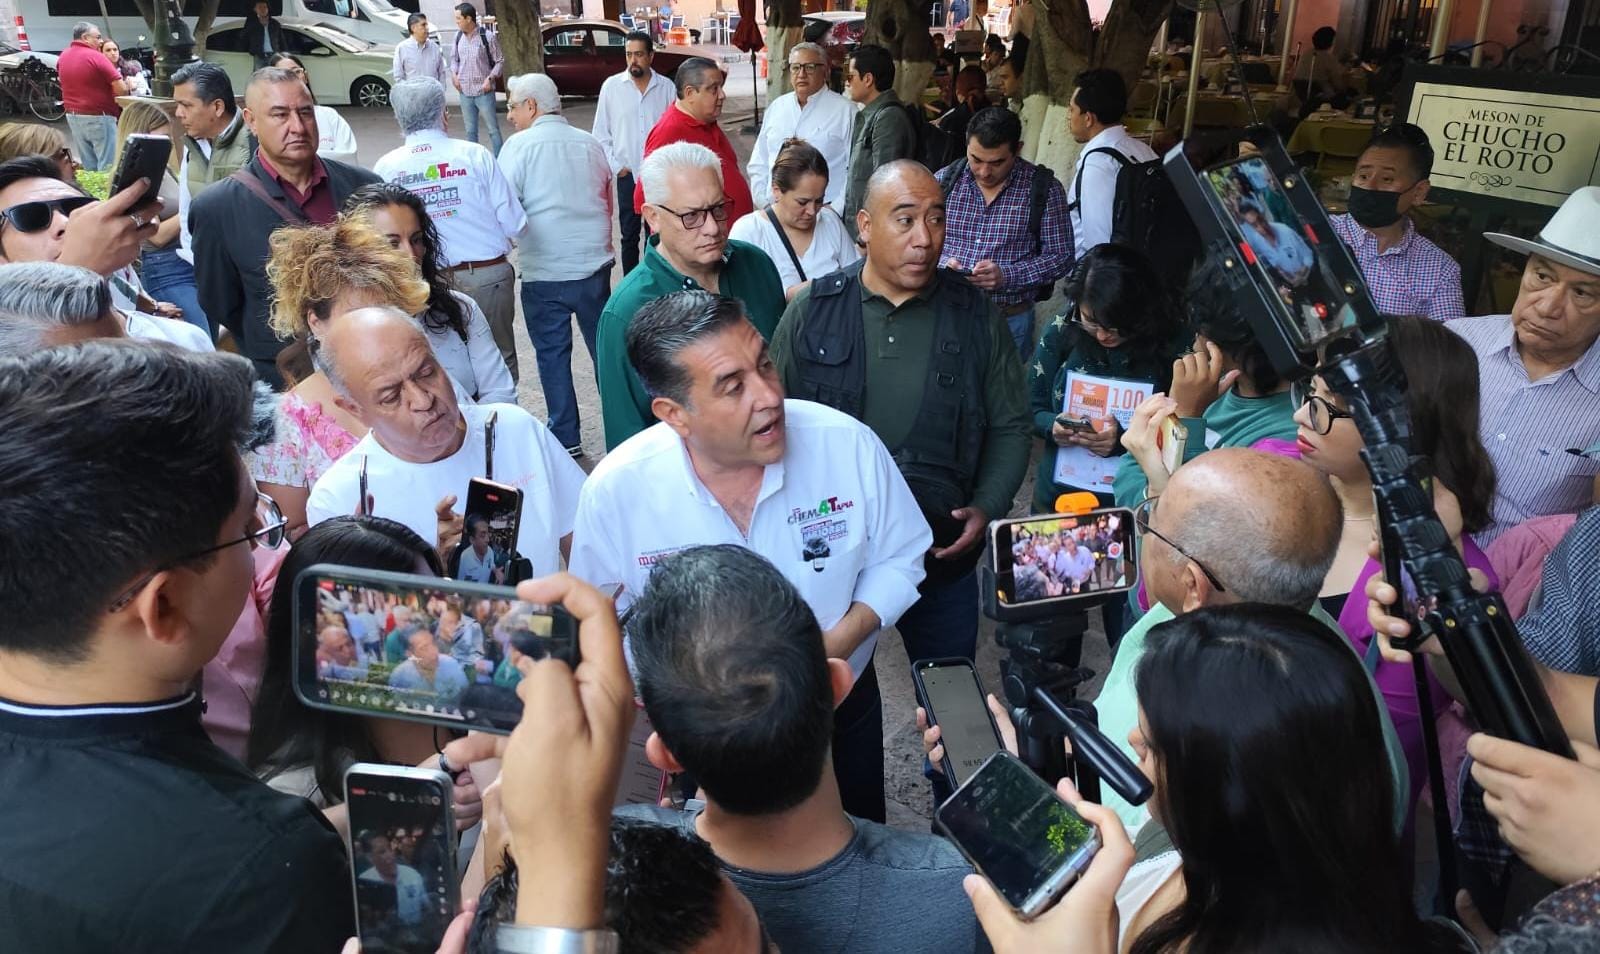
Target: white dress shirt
(826,121)
(470,202)
(831,246)
(526,456)
(413,60)
(171,330)
(474,364)
(836,484)
(624,116)
(335,139)
(1091,221)
(567,189)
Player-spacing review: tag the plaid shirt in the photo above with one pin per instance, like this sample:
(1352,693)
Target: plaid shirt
(976,230)
(471,66)
(1414,277)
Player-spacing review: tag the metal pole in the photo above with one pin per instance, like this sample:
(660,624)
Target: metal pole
(1441,26)
(1288,43)
(1483,30)
(1195,57)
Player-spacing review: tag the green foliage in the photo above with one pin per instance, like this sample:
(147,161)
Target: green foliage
(97,184)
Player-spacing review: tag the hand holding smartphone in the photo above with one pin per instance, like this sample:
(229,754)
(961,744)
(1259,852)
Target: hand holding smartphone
(1071,422)
(144,156)
(402,856)
(952,695)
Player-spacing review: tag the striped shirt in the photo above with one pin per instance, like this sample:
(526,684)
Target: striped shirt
(1562,626)
(1528,426)
(471,65)
(977,230)
(1412,277)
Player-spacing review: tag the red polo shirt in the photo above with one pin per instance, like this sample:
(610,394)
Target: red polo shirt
(675,125)
(316,201)
(86,78)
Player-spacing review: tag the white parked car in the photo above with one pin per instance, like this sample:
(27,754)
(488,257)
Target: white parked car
(10,56)
(343,68)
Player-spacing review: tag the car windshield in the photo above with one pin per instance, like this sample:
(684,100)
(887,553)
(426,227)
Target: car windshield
(338,39)
(7,48)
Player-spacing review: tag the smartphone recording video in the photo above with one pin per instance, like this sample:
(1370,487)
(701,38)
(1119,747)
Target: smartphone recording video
(1018,833)
(489,534)
(952,696)
(1279,247)
(1062,557)
(402,857)
(418,647)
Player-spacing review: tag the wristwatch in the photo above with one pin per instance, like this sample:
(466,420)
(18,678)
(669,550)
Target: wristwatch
(524,939)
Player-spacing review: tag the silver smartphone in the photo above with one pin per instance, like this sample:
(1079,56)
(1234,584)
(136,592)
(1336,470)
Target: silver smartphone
(402,856)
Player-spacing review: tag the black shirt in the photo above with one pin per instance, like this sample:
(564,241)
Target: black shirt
(123,828)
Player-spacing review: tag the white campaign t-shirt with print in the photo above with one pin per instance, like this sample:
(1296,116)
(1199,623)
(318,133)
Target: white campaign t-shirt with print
(526,456)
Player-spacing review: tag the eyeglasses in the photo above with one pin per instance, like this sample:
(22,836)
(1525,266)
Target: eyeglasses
(694,218)
(1141,519)
(37,216)
(269,532)
(1319,409)
(805,67)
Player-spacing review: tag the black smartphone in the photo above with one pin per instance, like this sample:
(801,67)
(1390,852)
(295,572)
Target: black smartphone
(1072,423)
(1018,833)
(950,691)
(362,505)
(489,534)
(438,651)
(144,156)
(402,856)
(1056,558)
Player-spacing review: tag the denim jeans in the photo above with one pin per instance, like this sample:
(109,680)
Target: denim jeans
(1021,327)
(94,139)
(943,622)
(167,277)
(548,308)
(630,222)
(481,104)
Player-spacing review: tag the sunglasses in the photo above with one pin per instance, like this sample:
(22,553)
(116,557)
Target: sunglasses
(37,216)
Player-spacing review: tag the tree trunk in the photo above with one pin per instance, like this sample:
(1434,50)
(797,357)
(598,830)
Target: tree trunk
(202,27)
(902,27)
(517,25)
(785,26)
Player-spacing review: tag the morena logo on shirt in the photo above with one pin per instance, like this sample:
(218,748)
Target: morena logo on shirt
(822,509)
(433,173)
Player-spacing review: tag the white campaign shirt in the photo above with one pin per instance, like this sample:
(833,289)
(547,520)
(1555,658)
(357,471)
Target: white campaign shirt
(623,117)
(831,246)
(526,456)
(836,489)
(335,139)
(567,189)
(468,199)
(475,364)
(826,121)
(172,330)
(1091,221)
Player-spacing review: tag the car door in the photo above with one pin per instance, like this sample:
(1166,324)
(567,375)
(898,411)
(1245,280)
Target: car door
(571,58)
(325,68)
(225,47)
(611,44)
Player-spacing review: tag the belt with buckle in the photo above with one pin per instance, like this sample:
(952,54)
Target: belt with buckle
(1006,311)
(470,266)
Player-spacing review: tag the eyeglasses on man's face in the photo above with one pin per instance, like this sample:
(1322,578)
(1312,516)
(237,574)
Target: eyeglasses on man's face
(805,68)
(694,218)
(267,529)
(1141,520)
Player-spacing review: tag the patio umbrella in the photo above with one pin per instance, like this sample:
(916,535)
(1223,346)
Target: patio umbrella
(747,37)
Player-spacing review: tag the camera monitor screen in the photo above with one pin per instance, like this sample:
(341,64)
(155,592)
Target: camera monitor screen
(1278,246)
(1060,557)
(403,860)
(419,647)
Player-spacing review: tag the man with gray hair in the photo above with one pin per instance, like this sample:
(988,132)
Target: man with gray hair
(688,214)
(1232,526)
(423,447)
(470,201)
(812,112)
(563,178)
(693,118)
(44,304)
(90,86)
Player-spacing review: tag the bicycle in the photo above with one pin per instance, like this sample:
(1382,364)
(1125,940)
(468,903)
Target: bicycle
(35,87)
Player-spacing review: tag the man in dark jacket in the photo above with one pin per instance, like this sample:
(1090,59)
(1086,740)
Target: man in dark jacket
(263,35)
(286,183)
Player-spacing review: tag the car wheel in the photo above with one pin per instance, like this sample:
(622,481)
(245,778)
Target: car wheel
(369,91)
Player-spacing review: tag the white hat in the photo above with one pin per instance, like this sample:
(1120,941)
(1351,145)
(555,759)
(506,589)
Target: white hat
(1570,238)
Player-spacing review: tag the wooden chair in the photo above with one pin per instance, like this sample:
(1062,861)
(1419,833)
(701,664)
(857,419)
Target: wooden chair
(1143,101)
(1341,145)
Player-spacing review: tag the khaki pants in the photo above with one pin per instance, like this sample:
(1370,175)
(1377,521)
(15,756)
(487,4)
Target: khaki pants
(494,288)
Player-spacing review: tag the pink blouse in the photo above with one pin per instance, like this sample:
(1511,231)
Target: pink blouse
(307,442)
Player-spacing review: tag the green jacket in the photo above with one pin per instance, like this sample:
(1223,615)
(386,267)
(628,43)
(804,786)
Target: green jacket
(1233,421)
(882,133)
(1065,347)
(747,274)
(230,152)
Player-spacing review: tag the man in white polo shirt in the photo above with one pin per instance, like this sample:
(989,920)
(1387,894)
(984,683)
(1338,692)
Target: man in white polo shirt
(423,447)
(730,461)
(469,200)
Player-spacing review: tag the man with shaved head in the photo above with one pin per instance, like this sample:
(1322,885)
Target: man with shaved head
(1232,526)
(423,447)
(286,182)
(919,355)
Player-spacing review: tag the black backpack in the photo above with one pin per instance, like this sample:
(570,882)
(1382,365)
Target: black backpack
(1038,195)
(934,147)
(1148,215)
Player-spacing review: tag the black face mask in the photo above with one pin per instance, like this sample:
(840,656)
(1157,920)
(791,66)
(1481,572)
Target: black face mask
(1374,209)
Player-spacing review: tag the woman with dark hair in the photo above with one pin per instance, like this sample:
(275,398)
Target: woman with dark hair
(1442,397)
(335,139)
(1258,731)
(456,326)
(305,751)
(803,236)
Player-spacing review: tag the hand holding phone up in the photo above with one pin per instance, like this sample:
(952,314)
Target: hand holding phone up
(106,236)
(578,719)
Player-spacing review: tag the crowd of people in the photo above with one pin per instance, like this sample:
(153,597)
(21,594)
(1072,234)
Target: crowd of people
(821,378)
